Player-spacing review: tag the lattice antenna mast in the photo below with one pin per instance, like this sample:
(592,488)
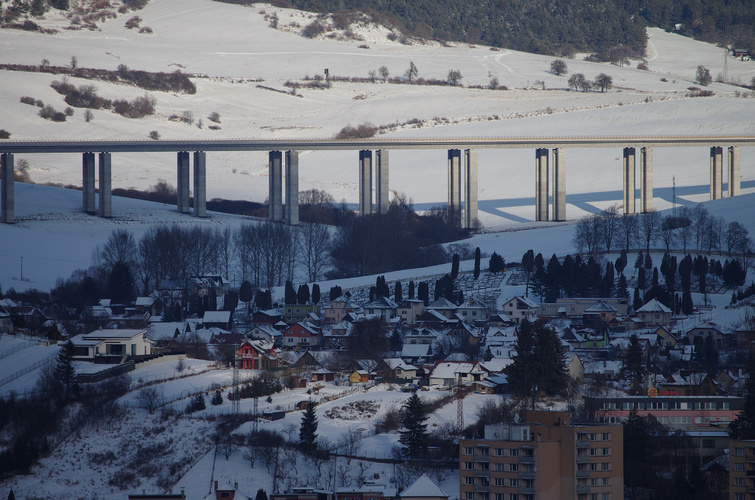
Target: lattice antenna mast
(459,407)
(673,197)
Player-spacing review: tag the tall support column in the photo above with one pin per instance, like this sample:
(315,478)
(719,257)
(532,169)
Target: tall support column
(200,184)
(734,181)
(106,185)
(182,189)
(629,176)
(7,197)
(646,180)
(292,188)
(365,182)
(716,172)
(559,185)
(454,184)
(275,189)
(87,184)
(381,181)
(471,191)
(541,184)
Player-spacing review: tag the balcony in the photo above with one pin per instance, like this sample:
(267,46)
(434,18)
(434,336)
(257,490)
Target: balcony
(527,489)
(482,458)
(583,473)
(482,473)
(583,489)
(479,488)
(528,474)
(583,444)
(526,460)
(583,459)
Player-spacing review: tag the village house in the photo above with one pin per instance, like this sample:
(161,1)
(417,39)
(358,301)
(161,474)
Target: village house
(112,343)
(217,319)
(337,309)
(293,313)
(444,307)
(409,310)
(519,308)
(701,333)
(600,314)
(473,311)
(267,333)
(302,336)
(448,373)
(395,370)
(382,307)
(654,313)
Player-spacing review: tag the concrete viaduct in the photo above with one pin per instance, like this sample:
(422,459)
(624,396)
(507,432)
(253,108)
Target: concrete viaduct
(462,168)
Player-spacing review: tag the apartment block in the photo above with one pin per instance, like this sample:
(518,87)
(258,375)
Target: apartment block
(545,457)
(742,469)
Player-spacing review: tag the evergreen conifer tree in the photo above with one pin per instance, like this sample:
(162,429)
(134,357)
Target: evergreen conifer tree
(65,373)
(411,290)
(308,429)
(261,495)
(455,266)
(477,256)
(315,293)
(398,294)
(414,435)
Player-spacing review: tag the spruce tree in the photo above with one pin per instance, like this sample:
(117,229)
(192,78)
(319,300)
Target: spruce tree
(398,294)
(261,495)
(308,429)
(477,256)
(315,293)
(633,365)
(455,266)
(411,290)
(65,373)
(414,435)
(528,263)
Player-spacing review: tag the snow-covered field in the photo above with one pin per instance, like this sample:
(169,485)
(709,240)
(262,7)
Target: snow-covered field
(237,50)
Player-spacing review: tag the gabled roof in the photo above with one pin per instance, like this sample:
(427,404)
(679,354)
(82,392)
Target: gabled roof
(423,487)
(442,304)
(381,302)
(416,350)
(216,316)
(449,369)
(526,301)
(601,306)
(394,363)
(654,306)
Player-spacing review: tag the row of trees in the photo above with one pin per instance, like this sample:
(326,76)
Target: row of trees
(684,229)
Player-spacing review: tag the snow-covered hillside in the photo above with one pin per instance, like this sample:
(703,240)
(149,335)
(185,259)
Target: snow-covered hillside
(250,55)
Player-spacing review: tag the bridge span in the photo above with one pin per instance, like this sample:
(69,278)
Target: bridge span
(550,168)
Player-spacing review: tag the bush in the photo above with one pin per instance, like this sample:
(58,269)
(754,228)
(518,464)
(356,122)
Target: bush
(313,29)
(642,66)
(138,108)
(4,134)
(145,30)
(28,100)
(154,134)
(133,22)
(68,111)
(214,117)
(363,131)
(88,115)
(217,399)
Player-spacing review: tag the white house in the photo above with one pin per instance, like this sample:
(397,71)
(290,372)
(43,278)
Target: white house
(88,346)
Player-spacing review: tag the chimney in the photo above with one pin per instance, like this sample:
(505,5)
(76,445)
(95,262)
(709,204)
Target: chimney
(216,486)
(235,485)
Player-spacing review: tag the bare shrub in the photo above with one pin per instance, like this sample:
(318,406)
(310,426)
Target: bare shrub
(28,100)
(313,29)
(362,131)
(88,115)
(146,30)
(154,134)
(214,117)
(138,108)
(68,111)
(642,65)
(187,117)
(133,22)
(4,134)
(39,103)
(150,399)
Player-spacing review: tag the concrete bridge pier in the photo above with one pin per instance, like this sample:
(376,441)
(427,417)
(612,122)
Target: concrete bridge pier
(629,176)
(365,182)
(275,189)
(716,172)
(454,184)
(200,184)
(646,180)
(87,184)
(106,185)
(7,197)
(292,188)
(471,192)
(734,171)
(182,182)
(541,184)
(381,181)
(559,185)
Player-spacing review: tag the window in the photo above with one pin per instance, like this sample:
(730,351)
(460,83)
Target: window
(740,452)
(469,480)
(499,467)
(606,436)
(605,466)
(605,496)
(739,481)
(740,467)
(468,450)
(468,465)
(606,452)
(484,451)
(515,467)
(606,481)
(514,482)
(499,452)
(499,481)
(469,495)
(500,496)
(514,452)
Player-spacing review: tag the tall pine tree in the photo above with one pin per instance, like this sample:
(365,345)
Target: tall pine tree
(308,429)
(414,435)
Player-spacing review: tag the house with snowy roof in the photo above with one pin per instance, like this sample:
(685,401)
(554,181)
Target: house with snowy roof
(302,336)
(265,332)
(423,488)
(382,307)
(448,373)
(115,343)
(391,369)
(600,314)
(473,311)
(654,313)
(720,338)
(417,353)
(444,307)
(338,308)
(519,308)
(409,310)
